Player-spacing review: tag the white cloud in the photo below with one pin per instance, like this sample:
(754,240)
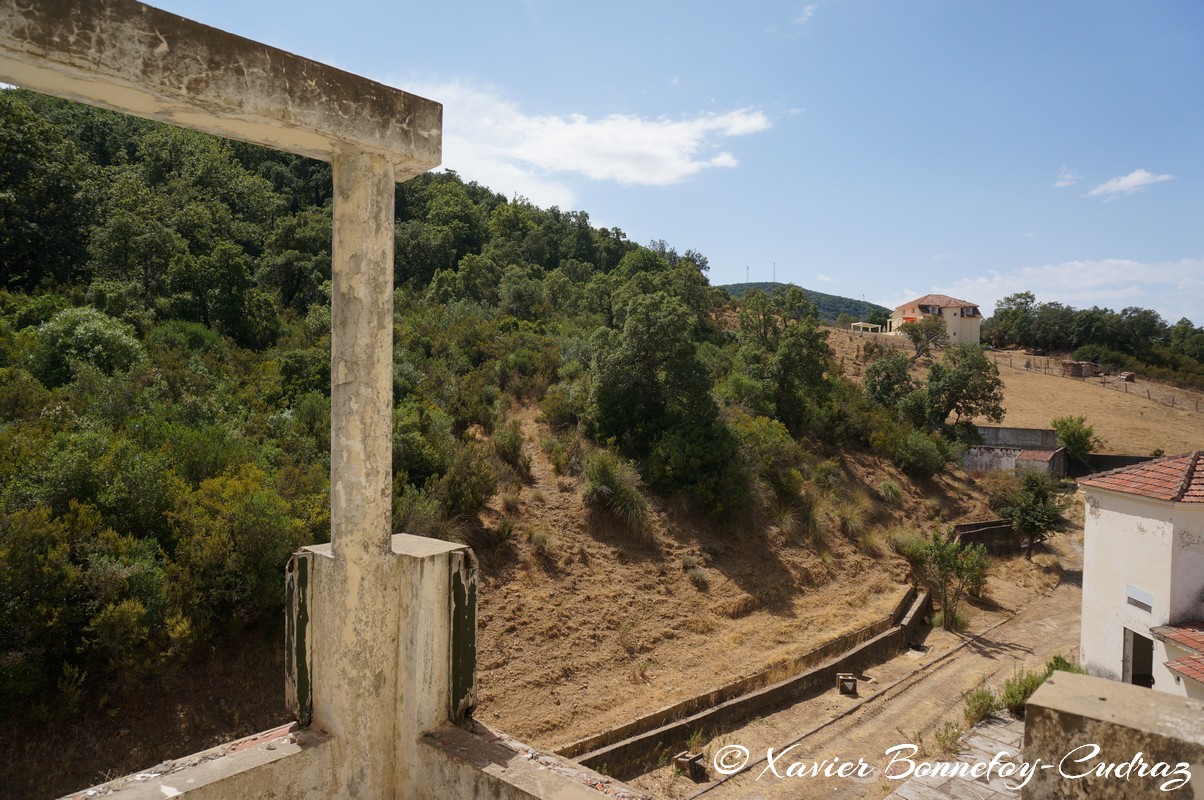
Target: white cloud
(489,139)
(806,14)
(825,278)
(1127,184)
(1171,288)
(1066,178)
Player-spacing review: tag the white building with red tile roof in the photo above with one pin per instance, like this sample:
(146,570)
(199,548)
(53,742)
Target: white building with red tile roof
(963,320)
(1143,574)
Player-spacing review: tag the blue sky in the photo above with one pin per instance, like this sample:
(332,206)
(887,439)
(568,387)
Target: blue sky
(872,148)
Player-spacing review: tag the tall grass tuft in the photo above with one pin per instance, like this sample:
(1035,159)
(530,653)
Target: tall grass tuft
(614,486)
(889,491)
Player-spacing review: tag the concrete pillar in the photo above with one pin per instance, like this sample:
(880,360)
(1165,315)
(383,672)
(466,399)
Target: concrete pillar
(356,591)
(361,376)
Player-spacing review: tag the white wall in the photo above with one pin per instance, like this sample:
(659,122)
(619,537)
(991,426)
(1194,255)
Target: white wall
(1187,568)
(1151,545)
(1127,542)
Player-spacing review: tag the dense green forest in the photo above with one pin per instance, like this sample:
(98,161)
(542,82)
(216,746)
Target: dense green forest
(1135,339)
(830,307)
(164,384)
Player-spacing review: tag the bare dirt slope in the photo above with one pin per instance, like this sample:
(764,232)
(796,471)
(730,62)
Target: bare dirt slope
(600,630)
(1133,419)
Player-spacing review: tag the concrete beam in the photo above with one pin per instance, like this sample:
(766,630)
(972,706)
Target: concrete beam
(139,60)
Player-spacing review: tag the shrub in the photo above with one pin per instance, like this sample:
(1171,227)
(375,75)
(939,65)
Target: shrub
(468,483)
(504,532)
(1000,488)
(919,456)
(418,513)
(1077,437)
(769,452)
(542,541)
(565,404)
(1019,688)
(508,444)
(981,703)
(567,453)
(1060,663)
(947,737)
(83,335)
(698,577)
(614,486)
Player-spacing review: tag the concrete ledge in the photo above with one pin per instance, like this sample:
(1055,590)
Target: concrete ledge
(135,59)
(1071,716)
(280,763)
(461,763)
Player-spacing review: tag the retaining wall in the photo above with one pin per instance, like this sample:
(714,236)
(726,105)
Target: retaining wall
(630,748)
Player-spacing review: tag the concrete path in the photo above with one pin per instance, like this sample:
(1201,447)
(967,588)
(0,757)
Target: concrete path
(988,741)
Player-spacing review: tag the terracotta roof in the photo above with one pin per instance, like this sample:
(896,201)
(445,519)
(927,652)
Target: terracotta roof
(1034,455)
(1190,667)
(942,300)
(1188,635)
(1177,478)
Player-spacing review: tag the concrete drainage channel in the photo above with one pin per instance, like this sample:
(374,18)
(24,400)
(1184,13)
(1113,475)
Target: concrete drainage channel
(635,747)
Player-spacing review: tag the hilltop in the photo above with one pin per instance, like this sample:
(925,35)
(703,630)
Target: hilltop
(830,306)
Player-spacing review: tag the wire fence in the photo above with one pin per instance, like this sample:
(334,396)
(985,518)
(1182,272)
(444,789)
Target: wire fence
(1051,366)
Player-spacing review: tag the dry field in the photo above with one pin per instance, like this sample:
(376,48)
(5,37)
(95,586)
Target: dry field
(1129,423)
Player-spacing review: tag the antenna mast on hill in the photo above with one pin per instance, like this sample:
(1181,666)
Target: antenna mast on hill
(746,273)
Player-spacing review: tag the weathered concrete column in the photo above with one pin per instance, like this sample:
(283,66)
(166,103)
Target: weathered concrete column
(356,589)
(361,370)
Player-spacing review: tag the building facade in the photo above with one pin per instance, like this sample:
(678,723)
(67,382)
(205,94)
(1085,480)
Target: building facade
(1143,575)
(963,320)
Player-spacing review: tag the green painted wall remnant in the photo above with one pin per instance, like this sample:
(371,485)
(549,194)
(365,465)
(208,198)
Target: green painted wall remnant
(463,635)
(298,656)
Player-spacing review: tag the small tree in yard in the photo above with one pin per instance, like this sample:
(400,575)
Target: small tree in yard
(925,334)
(949,568)
(1077,437)
(1034,509)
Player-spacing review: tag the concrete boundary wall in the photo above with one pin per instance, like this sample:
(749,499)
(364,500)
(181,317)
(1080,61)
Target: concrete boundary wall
(1020,438)
(997,536)
(868,645)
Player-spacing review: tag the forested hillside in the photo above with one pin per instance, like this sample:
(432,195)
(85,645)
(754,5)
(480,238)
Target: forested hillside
(830,306)
(164,387)
(164,384)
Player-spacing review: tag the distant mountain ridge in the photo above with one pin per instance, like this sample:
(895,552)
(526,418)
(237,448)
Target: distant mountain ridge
(830,305)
